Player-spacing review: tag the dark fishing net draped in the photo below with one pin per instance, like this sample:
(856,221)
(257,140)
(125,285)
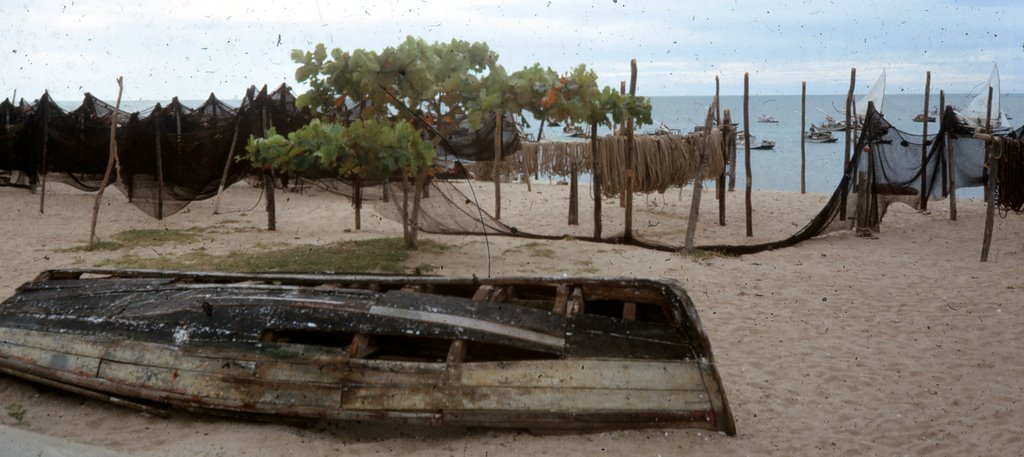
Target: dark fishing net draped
(168,156)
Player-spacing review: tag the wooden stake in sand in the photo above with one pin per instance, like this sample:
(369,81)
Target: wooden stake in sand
(110,163)
(803,137)
(698,179)
(951,159)
(729,138)
(846,148)
(227,165)
(46,137)
(944,167)
(993,152)
(497,165)
(159,166)
(924,144)
(595,179)
(627,234)
(746,152)
(622,194)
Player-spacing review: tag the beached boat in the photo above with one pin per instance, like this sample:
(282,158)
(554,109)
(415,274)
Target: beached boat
(534,352)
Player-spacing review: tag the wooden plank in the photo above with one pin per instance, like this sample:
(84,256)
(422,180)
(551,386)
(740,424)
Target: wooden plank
(561,299)
(457,352)
(522,399)
(584,374)
(629,311)
(53,360)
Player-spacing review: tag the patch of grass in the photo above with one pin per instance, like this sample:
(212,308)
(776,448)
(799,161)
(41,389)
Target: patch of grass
(17,412)
(154,237)
(385,255)
(539,250)
(98,246)
(136,238)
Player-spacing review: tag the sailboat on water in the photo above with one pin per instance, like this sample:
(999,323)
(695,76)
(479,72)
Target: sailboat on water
(976,110)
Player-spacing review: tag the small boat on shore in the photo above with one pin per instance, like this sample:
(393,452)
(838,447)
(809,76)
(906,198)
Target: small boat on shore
(523,352)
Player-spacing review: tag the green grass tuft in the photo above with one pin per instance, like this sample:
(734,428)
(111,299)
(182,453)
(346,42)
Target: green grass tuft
(385,255)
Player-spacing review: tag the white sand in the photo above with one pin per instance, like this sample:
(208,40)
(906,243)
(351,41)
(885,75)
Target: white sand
(901,345)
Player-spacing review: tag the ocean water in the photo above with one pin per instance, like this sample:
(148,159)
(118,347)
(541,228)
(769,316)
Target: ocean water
(779,168)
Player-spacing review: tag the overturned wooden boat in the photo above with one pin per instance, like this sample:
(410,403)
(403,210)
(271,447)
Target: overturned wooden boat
(534,352)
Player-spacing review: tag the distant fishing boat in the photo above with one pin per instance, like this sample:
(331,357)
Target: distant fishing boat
(920,117)
(832,125)
(664,129)
(763,146)
(816,135)
(875,95)
(766,119)
(575,131)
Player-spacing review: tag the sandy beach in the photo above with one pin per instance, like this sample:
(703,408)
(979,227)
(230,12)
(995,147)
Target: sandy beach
(901,345)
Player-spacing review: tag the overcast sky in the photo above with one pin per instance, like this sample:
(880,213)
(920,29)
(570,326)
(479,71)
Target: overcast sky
(191,48)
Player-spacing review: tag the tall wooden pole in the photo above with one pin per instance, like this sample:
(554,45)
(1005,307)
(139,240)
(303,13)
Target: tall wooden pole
(622,194)
(992,154)
(159,165)
(951,158)
(630,172)
(574,193)
(803,137)
(596,180)
(729,142)
(945,167)
(46,138)
(924,144)
(698,179)
(110,163)
(497,164)
(720,179)
(846,150)
(227,165)
(746,153)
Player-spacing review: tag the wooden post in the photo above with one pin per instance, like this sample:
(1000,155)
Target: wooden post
(46,138)
(698,179)
(357,202)
(924,144)
(729,140)
(110,164)
(596,180)
(622,194)
(159,167)
(227,165)
(846,149)
(630,172)
(988,145)
(945,167)
(268,187)
(746,151)
(993,172)
(574,193)
(497,165)
(862,227)
(951,158)
(803,137)
(720,179)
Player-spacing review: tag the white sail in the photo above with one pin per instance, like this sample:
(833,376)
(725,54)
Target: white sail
(875,95)
(977,109)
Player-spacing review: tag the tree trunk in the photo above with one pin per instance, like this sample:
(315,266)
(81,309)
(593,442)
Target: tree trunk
(421,180)
(596,178)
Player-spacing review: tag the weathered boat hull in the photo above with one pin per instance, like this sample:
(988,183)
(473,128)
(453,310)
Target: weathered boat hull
(469,351)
